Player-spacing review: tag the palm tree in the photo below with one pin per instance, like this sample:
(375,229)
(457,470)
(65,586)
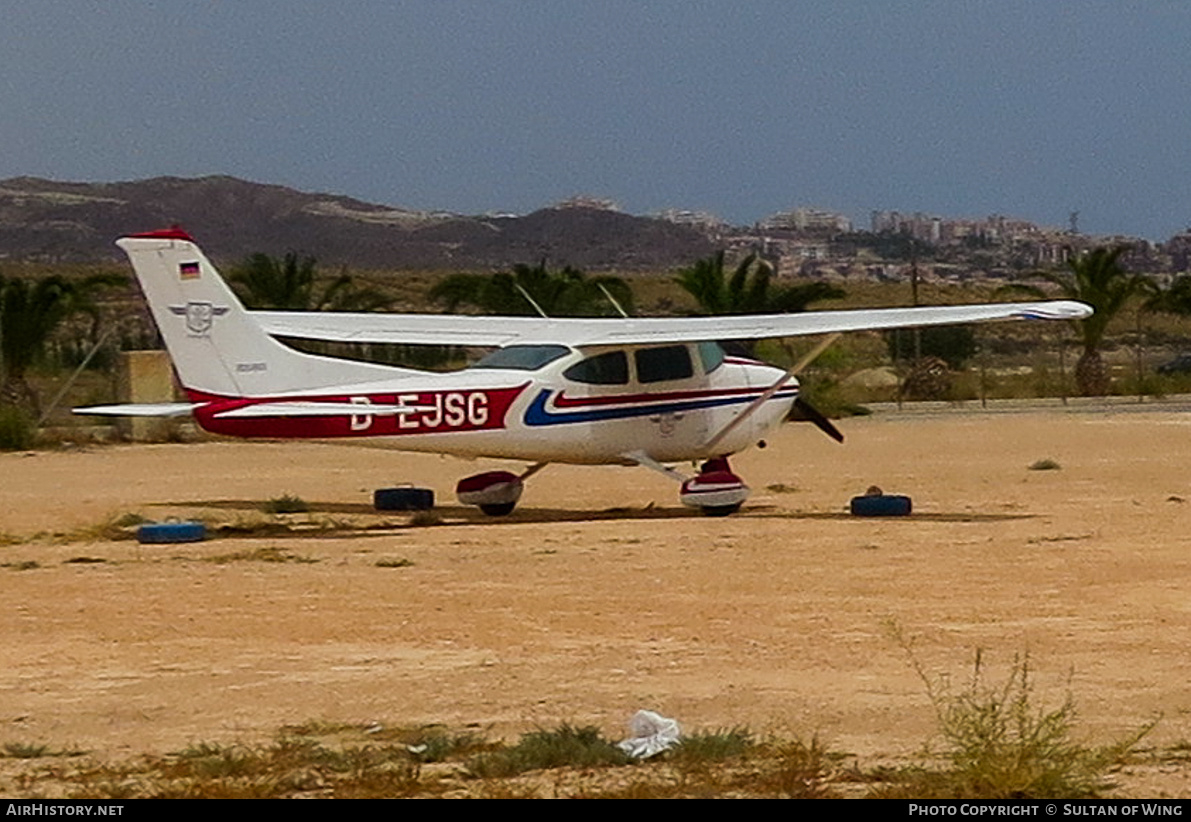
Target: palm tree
(1098,279)
(1174,299)
(30,313)
(565,293)
(749,290)
(290,284)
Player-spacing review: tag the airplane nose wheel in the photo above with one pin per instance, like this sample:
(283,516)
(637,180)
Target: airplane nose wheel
(494,492)
(715,490)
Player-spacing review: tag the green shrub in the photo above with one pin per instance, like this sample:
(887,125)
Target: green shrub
(437,745)
(25,750)
(286,504)
(17,431)
(564,747)
(713,746)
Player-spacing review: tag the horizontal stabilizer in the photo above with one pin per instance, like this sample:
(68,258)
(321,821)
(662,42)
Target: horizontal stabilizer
(148,409)
(319,409)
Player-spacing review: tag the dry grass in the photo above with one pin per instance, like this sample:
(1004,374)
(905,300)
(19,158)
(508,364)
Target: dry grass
(394,562)
(258,527)
(1045,465)
(268,554)
(289,767)
(726,765)
(336,760)
(114,528)
(423,519)
(1000,742)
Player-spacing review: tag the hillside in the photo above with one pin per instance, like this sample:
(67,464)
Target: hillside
(77,222)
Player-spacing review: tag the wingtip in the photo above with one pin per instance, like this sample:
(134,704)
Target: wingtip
(1078,310)
(1057,310)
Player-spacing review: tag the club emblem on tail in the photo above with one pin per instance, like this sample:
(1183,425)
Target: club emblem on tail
(199,316)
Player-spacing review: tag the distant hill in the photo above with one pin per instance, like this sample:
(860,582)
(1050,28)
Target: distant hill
(78,222)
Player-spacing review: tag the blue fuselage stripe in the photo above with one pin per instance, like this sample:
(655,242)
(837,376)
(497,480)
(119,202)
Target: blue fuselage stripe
(537,414)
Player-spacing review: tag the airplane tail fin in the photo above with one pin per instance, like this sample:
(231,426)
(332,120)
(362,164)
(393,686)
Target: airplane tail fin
(217,347)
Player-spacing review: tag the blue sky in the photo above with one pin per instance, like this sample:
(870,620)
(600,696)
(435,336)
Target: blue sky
(964,109)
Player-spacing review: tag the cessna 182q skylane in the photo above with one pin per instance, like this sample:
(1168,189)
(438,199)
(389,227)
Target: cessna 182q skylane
(628,391)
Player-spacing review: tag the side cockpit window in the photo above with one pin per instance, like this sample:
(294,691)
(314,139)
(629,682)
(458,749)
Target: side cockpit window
(611,368)
(661,364)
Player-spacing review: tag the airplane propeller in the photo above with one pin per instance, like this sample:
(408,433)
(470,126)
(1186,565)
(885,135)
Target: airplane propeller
(803,410)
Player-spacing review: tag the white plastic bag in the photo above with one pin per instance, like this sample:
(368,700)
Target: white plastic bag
(652,733)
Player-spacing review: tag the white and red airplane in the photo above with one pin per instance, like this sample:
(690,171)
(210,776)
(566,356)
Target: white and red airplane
(619,391)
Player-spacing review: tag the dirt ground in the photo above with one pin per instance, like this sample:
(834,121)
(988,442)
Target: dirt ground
(602,595)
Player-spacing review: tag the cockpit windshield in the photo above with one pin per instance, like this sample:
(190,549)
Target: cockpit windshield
(712,355)
(523,357)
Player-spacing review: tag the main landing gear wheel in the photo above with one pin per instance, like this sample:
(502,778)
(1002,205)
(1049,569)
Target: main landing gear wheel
(502,510)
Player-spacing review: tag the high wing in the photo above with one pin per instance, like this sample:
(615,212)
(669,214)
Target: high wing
(453,329)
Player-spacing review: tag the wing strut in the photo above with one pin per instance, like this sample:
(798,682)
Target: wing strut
(646,461)
(531,470)
(531,301)
(615,304)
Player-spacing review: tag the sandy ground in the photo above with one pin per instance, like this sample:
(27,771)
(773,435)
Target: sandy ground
(601,595)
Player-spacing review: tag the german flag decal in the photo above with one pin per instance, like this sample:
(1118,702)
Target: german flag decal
(188,271)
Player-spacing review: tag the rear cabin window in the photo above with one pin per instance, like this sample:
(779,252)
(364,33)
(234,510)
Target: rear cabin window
(660,364)
(611,368)
(523,357)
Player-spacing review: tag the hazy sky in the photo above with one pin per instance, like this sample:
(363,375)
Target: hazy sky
(1031,109)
